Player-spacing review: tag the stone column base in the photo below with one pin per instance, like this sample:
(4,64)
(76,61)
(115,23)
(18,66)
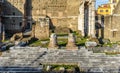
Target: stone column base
(71,47)
(53,47)
(53,42)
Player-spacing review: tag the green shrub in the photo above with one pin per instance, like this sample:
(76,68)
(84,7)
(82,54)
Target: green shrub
(35,43)
(81,42)
(45,39)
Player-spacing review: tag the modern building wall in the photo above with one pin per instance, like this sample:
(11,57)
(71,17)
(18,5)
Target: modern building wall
(104,9)
(107,9)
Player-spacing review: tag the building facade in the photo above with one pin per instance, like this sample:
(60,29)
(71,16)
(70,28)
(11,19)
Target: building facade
(113,4)
(104,9)
(14,13)
(86,18)
(107,9)
(72,14)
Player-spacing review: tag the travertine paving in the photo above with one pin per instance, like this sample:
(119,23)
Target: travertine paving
(86,60)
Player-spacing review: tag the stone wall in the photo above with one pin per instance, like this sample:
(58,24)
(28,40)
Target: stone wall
(63,13)
(13,15)
(41,32)
(13,11)
(112,28)
(117,8)
(41,29)
(112,25)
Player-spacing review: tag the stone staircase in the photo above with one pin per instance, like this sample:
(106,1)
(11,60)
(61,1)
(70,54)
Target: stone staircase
(20,70)
(35,56)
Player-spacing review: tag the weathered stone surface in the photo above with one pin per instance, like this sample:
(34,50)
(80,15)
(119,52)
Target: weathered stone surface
(41,29)
(86,18)
(62,30)
(53,41)
(86,60)
(17,36)
(62,13)
(90,44)
(71,42)
(112,25)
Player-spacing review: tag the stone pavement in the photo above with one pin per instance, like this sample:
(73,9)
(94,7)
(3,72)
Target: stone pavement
(86,60)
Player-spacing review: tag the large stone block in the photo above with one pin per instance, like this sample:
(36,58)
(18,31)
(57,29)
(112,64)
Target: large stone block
(41,29)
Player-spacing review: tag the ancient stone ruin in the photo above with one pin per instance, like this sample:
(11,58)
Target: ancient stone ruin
(53,41)
(72,14)
(41,29)
(17,36)
(71,42)
(86,18)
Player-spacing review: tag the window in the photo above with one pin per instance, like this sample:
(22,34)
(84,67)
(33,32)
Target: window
(13,13)
(114,33)
(101,10)
(106,10)
(27,26)
(20,24)
(114,1)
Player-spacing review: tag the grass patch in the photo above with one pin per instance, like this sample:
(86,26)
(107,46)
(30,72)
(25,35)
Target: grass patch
(57,67)
(62,41)
(112,53)
(81,41)
(109,44)
(6,40)
(77,34)
(45,39)
(35,43)
(62,34)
